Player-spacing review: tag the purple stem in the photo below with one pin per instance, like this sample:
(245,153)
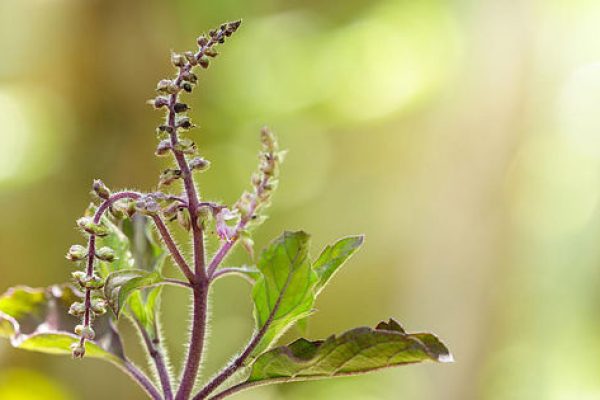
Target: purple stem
(231,270)
(239,361)
(196,346)
(92,251)
(155,352)
(170,243)
(201,282)
(141,379)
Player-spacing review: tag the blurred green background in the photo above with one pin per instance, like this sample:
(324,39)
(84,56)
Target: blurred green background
(462,137)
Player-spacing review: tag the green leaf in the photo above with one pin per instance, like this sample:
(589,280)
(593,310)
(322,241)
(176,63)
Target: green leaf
(357,351)
(36,319)
(333,257)
(284,293)
(121,284)
(145,309)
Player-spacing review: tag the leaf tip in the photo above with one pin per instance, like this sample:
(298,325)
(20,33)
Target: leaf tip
(445,358)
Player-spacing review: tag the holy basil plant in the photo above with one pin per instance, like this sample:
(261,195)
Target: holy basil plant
(121,274)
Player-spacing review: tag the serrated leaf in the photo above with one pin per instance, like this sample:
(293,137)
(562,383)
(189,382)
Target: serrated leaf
(121,284)
(284,293)
(333,257)
(36,319)
(357,351)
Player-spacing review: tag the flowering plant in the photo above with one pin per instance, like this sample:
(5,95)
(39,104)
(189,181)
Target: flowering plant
(129,236)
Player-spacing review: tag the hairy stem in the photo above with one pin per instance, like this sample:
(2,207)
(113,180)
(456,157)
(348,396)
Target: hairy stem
(230,270)
(236,364)
(196,344)
(154,350)
(200,281)
(87,316)
(172,247)
(141,379)
(233,390)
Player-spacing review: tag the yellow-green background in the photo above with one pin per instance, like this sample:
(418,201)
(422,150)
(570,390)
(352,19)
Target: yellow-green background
(462,137)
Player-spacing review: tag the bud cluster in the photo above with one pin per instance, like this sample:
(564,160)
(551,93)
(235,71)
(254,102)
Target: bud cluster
(168,99)
(92,305)
(264,181)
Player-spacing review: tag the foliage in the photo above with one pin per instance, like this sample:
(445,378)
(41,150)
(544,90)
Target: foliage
(122,273)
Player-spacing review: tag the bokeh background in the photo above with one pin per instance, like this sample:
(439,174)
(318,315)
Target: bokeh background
(462,137)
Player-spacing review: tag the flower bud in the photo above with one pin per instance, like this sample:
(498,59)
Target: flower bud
(185,146)
(256,180)
(147,205)
(125,206)
(77,350)
(187,87)
(79,276)
(87,224)
(184,123)
(245,204)
(76,253)
(211,53)
(160,102)
(168,176)
(77,309)
(99,306)
(212,33)
(177,60)
(86,332)
(234,25)
(100,189)
(204,214)
(105,254)
(183,218)
(189,77)
(163,147)
(167,86)
(202,41)
(93,282)
(268,139)
(180,107)
(190,57)
(204,62)
(199,164)
(164,129)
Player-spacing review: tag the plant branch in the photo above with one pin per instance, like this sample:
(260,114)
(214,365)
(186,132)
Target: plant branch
(239,361)
(261,189)
(230,271)
(155,353)
(196,346)
(87,316)
(201,282)
(137,375)
(172,247)
(177,282)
